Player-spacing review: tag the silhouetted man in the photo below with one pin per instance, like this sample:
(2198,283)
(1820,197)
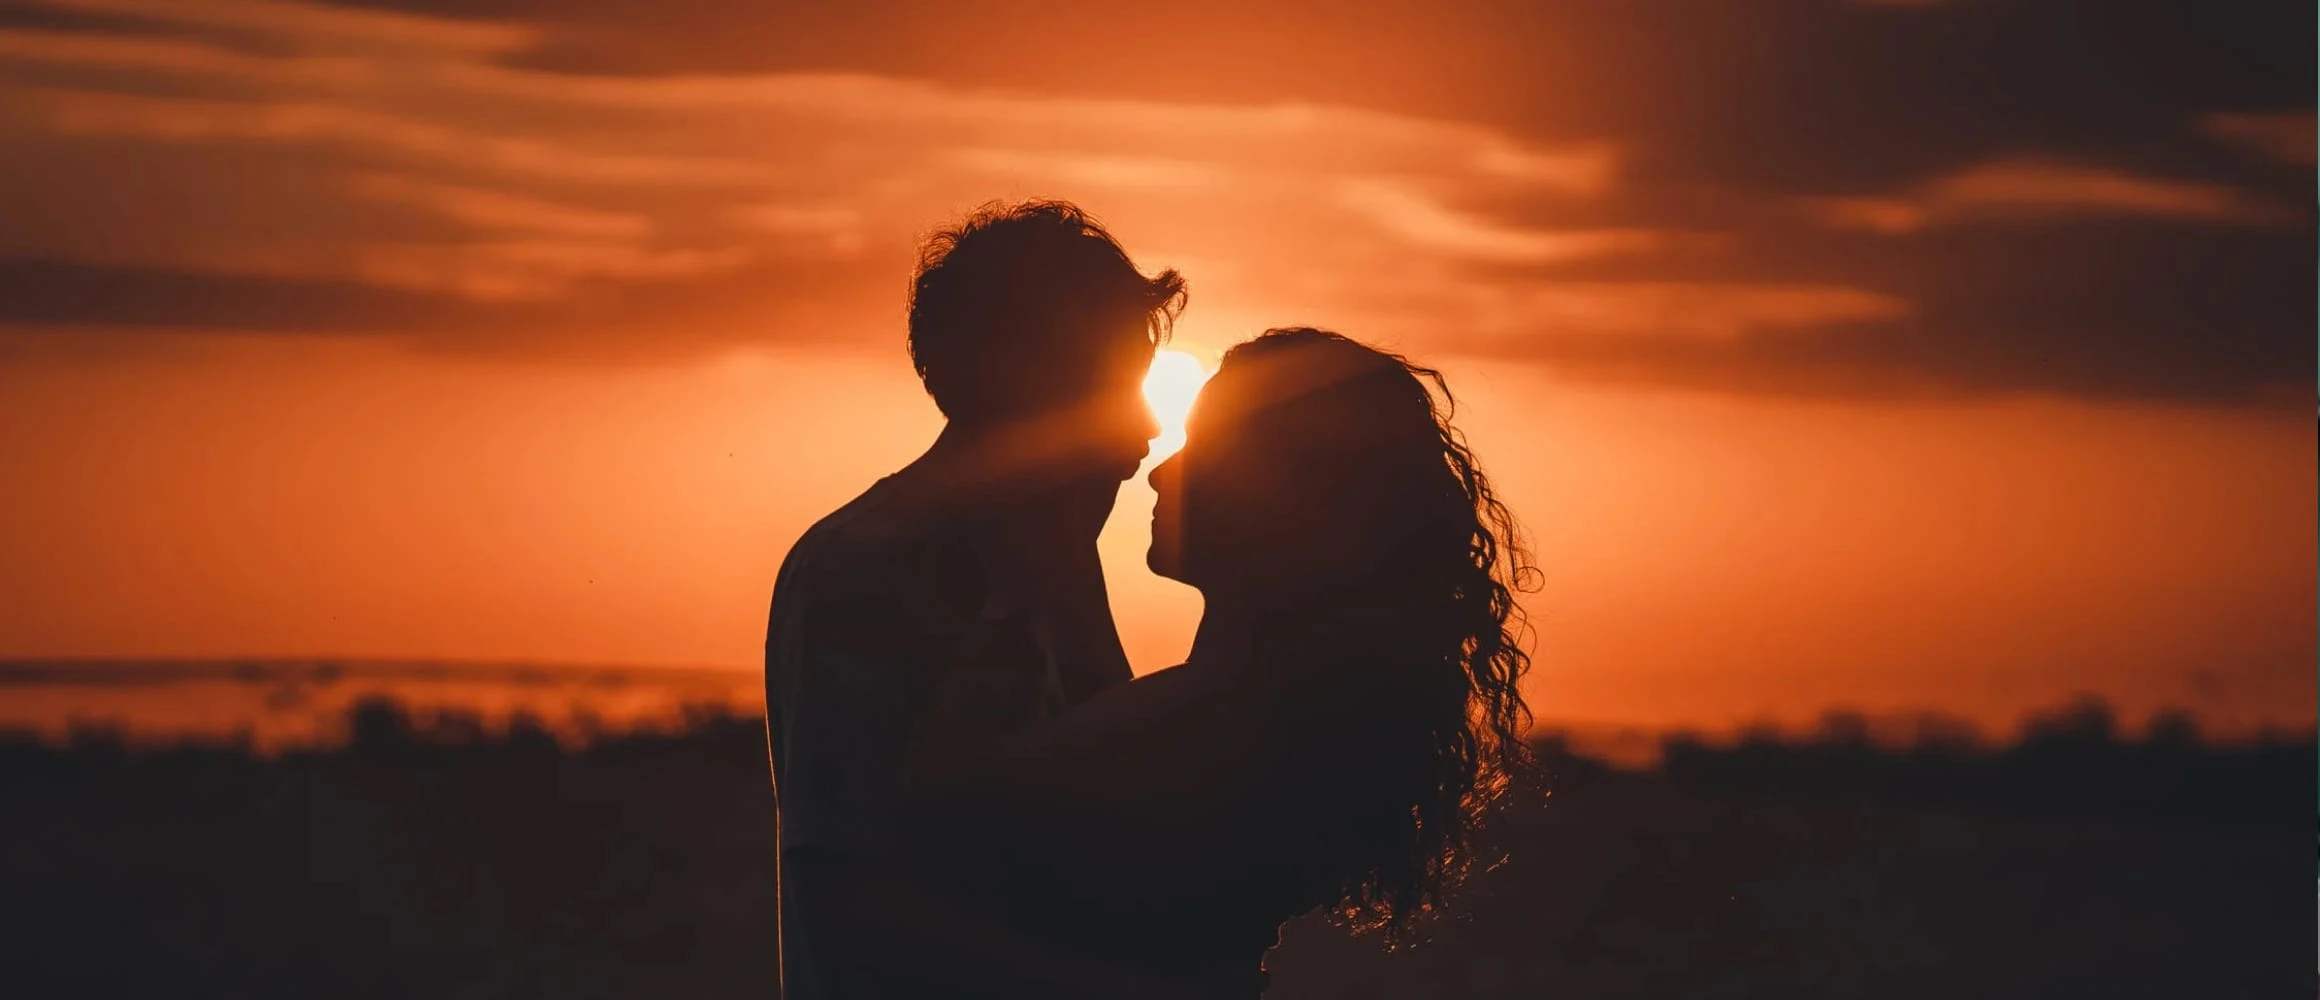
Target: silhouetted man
(959,599)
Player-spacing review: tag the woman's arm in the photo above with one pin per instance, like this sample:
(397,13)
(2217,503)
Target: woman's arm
(1175,786)
(1173,749)
(1130,815)
(1112,830)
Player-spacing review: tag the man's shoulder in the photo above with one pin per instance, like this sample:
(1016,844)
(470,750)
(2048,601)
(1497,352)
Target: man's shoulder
(869,548)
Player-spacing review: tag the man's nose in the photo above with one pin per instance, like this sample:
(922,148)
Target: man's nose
(1147,421)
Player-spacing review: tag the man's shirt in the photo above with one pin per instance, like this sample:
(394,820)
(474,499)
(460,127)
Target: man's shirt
(878,654)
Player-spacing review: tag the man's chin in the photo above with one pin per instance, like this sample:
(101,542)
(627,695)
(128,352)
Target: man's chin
(1095,495)
(1124,467)
(1110,475)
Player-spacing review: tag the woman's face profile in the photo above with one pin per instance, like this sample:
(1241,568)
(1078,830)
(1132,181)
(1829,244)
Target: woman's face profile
(1258,501)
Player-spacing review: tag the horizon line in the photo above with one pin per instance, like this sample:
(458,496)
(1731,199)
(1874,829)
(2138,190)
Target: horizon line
(115,670)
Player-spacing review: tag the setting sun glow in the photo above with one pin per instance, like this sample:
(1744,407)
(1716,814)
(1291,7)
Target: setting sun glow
(1170,386)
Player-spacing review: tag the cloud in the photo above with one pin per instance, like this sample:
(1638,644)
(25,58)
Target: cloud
(2285,136)
(1096,170)
(89,113)
(319,25)
(488,209)
(2035,187)
(838,227)
(1424,221)
(1891,216)
(1777,194)
(2032,188)
(1693,311)
(517,270)
(1550,319)
(178,57)
(497,183)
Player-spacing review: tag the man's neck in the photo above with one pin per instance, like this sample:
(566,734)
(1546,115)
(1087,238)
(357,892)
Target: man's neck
(950,473)
(1030,538)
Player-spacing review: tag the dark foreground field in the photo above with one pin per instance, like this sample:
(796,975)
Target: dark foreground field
(439,860)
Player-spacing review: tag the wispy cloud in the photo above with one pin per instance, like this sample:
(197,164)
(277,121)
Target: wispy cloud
(1097,170)
(1423,220)
(487,209)
(178,57)
(2286,136)
(836,227)
(1544,317)
(319,25)
(2030,188)
(596,175)
(1711,311)
(520,270)
(535,181)
(93,113)
(2044,186)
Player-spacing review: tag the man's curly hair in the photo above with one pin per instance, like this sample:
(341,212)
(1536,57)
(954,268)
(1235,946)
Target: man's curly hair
(1011,308)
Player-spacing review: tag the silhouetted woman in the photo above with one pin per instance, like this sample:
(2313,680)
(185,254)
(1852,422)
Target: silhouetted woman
(1346,717)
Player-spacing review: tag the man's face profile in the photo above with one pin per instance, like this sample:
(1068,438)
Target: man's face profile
(1097,432)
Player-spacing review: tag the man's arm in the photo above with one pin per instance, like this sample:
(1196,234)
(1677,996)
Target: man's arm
(891,931)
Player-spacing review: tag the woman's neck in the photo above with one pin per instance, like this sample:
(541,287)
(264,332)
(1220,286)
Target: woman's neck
(1232,623)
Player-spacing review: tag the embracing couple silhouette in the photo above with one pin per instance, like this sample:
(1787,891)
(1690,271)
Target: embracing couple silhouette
(978,799)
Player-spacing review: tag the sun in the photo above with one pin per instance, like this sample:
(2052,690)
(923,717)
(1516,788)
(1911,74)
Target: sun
(1170,386)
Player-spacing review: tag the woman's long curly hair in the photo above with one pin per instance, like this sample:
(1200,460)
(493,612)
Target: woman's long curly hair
(1459,568)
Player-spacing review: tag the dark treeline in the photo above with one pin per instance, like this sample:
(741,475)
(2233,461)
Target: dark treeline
(430,854)
(425,855)
(2075,758)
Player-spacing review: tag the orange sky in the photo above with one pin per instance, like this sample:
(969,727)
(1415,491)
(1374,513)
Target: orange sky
(1709,558)
(352,329)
